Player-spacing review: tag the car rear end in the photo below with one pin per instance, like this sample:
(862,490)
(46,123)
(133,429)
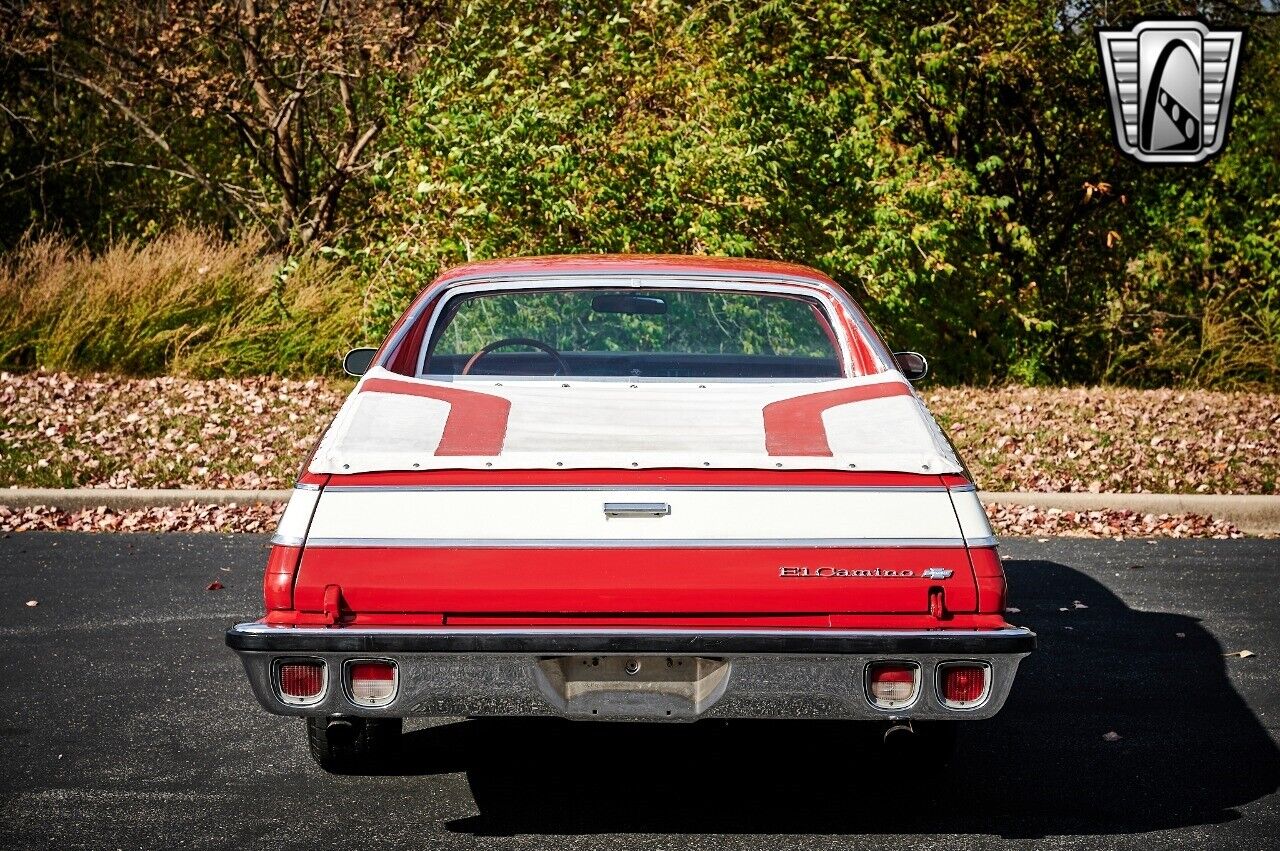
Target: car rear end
(656,595)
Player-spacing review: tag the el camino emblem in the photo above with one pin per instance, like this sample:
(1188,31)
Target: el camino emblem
(860,572)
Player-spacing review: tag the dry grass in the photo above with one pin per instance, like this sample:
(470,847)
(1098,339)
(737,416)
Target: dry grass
(185,303)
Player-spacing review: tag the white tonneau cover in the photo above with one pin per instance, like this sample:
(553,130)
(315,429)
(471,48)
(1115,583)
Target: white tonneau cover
(873,423)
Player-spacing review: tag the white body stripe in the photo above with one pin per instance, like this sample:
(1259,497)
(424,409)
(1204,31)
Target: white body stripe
(297,515)
(696,516)
(973,519)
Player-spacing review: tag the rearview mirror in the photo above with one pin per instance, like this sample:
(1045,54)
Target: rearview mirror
(357,361)
(912,365)
(633,304)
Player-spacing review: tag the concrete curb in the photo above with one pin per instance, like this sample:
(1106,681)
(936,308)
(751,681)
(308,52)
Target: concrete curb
(1256,515)
(1253,514)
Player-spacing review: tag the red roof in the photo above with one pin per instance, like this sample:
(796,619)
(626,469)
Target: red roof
(623,263)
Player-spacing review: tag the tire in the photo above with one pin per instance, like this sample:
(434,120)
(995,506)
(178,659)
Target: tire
(352,745)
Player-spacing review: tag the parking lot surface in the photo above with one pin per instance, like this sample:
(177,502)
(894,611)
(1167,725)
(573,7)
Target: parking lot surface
(125,723)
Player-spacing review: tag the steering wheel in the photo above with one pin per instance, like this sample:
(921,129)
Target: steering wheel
(517,341)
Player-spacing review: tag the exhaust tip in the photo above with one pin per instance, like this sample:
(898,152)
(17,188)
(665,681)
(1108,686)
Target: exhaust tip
(899,731)
(342,731)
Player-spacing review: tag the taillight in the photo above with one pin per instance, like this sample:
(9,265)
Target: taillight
(277,582)
(301,681)
(990,576)
(372,683)
(963,686)
(892,685)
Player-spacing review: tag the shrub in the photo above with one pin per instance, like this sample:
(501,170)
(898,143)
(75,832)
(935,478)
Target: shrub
(185,303)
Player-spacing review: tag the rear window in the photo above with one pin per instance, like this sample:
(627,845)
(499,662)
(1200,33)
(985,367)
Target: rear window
(657,333)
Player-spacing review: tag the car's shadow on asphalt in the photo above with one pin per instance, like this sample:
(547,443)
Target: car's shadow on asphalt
(1190,751)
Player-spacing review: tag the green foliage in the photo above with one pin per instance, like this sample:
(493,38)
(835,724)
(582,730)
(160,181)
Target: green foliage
(1201,293)
(952,166)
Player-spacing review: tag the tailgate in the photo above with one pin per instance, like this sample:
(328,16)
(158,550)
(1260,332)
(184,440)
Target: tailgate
(598,550)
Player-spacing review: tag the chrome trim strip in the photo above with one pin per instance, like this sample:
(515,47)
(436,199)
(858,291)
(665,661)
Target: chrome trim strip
(286,540)
(989,541)
(652,488)
(559,641)
(964,489)
(304,486)
(635,543)
(708,275)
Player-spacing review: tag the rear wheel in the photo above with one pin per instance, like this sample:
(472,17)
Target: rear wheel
(352,745)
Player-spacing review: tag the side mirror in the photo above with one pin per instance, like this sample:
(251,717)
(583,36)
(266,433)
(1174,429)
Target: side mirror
(357,361)
(912,365)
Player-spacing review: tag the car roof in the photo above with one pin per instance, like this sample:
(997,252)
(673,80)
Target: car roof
(621,264)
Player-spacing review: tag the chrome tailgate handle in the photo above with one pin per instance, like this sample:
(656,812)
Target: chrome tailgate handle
(636,509)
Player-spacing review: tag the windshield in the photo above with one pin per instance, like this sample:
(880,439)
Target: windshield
(661,333)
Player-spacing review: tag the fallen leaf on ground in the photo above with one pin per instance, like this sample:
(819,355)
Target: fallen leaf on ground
(109,431)
(1112,736)
(1052,439)
(1240,654)
(32,603)
(215,585)
(1009,519)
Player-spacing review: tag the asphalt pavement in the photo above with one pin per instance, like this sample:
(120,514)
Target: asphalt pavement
(126,723)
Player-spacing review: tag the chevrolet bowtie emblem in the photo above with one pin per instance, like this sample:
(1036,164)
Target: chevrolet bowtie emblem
(1170,84)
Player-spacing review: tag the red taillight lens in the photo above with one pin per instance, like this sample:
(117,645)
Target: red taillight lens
(277,583)
(891,685)
(301,682)
(963,685)
(372,683)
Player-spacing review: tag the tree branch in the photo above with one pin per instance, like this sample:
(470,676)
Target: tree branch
(151,133)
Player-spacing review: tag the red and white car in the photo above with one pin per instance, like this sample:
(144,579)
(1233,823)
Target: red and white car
(631,488)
